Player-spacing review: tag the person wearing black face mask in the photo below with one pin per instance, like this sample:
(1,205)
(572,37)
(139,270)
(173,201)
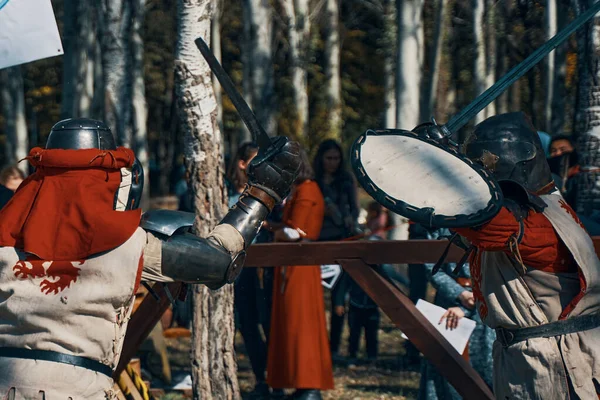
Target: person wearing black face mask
(564,165)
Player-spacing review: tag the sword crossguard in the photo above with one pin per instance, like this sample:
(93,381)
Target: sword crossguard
(267,153)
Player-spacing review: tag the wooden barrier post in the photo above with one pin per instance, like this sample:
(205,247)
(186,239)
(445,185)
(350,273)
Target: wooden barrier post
(419,330)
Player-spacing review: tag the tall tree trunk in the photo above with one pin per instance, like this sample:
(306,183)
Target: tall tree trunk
(549,71)
(410,52)
(214,365)
(122,49)
(139,107)
(298,33)
(261,60)
(409,62)
(114,17)
(215,34)
(557,123)
(479,69)
(13,110)
(78,67)
(588,121)
(247,44)
(502,27)
(490,52)
(431,82)
(332,68)
(98,103)
(389,48)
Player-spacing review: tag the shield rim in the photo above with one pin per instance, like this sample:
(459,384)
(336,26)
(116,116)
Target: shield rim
(424,215)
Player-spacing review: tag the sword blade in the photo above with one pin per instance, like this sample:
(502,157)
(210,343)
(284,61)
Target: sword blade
(258,133)
(484,99)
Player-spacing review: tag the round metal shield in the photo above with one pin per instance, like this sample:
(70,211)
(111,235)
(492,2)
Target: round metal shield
(423,180)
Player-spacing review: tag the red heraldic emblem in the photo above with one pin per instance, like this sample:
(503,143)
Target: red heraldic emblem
(59,274)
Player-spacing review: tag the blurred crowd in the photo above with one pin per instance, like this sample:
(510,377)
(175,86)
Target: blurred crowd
(281,311)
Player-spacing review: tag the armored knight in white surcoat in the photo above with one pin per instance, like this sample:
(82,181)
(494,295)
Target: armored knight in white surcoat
(535,272)
(75,247)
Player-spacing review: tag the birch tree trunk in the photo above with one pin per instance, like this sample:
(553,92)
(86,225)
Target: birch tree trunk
(490,52)
(215,34)
(332,68)
(588,121)
(114,17)
(549,72)
(557,123)
(502,53)
(431,82)
(247,43)
(298,33)
(214,364)
(139,107)
(13,110)
(479,69)
(78,68)
(122,49)
(409,63)
(389,48)
(261,61)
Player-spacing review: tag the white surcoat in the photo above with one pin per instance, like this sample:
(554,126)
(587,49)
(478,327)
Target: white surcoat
(511,298)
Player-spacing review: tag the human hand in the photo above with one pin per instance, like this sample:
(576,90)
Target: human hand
(452,316)
(467,299)
(339,310)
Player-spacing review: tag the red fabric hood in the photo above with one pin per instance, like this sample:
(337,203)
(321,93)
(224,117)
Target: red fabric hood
(64,211)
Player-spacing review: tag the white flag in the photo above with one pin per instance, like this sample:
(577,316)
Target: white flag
(28,32)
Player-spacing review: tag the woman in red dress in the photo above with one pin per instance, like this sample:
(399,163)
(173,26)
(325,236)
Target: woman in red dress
(299,355)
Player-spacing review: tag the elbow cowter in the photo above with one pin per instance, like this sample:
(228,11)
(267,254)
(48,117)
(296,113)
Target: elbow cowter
(213,261)
(191,259)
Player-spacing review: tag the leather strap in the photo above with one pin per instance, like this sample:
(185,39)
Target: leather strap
(87,363)
(261,196)
(558,328)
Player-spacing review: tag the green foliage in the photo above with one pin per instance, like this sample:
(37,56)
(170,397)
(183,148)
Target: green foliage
(363,43)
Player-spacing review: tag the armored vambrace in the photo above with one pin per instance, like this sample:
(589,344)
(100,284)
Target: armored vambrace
(215,260)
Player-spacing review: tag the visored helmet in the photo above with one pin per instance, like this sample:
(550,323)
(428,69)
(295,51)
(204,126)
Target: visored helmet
(509,146)
(80,133)
(85,133)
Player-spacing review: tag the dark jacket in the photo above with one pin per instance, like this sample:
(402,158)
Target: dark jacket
(358,297)
(340,195)
(5,195)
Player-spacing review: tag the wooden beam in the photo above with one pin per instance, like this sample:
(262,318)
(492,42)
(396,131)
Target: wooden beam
(144,319)
(420,332)
(371,251)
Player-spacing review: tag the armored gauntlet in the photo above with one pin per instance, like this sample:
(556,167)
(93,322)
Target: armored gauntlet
(218,259)
(269,181)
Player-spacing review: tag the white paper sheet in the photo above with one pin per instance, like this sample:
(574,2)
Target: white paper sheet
(28,32)
(330,273)
(458,337)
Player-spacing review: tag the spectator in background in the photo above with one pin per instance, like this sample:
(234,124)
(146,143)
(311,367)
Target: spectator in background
(11,177)
(564,165)
(5,195)
(454,292)
(299,354)
(363,312)
(341,216)
(248,291)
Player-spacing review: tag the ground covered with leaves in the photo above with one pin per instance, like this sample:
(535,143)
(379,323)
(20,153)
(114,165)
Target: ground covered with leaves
(388,378)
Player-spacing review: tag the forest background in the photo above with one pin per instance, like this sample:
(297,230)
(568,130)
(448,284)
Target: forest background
(347,53)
